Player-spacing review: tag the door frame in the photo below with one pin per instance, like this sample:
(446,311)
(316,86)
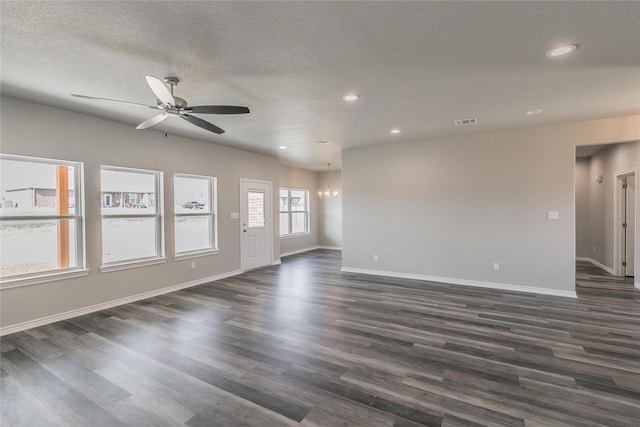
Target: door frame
(618,249)
(268,208)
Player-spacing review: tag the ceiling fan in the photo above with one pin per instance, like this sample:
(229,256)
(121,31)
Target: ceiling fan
(173,106)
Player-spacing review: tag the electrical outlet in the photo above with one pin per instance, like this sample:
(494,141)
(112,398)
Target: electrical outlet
(496,266)
(375,258)
(594,248)
(193,265)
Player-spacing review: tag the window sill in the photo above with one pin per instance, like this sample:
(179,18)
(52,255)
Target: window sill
(293,236)
(198,254)
(131,264)
(48,277)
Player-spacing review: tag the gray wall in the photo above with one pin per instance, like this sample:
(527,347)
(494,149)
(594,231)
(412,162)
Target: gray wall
(40,131)
(291,177)
(607,162)
(583,224)
(331,211)
(450,207)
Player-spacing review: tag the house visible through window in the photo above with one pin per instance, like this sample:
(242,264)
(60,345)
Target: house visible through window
(42,230)
(294,211)
(194,199)
(131,215)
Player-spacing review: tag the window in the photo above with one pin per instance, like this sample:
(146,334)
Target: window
(42,227)
(195,222)
(294,211)
(132,232)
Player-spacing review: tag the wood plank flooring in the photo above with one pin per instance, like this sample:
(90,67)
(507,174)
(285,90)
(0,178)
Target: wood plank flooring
(593,281)
(304,344)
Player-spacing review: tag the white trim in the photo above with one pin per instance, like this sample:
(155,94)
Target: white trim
(48,277)
(131,264)
(5,330)
(597,264)
(298,251)
(189,255)
(293,236)
(617,220)
(464,282)
(312,248)
(277,262)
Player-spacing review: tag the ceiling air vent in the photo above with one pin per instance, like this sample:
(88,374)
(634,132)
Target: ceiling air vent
(465,122)
(324,141)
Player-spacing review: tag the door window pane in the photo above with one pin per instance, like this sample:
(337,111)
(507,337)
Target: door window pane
(256,209)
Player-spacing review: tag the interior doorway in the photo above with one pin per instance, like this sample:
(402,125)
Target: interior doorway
(606,206)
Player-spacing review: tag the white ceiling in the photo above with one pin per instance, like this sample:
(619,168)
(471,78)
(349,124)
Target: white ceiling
(416,65)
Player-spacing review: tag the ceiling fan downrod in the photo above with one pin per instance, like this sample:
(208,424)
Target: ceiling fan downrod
(173,82)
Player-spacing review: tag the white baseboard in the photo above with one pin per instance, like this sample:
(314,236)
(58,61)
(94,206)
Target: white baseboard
(299,251)
(597,264)
(5,330)
(464,282)
(312,248)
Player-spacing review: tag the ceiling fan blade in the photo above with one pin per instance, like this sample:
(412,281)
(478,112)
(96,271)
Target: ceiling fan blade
(152,121)
(160,90)
(93,98)
(202,123)
(218,109)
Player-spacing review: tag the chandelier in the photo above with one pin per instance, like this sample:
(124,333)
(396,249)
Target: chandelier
(328,194)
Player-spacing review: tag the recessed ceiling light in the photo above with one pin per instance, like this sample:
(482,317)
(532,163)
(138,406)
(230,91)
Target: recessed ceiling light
(562,50)
(282,147)
(534,112)
(351,97)
(394,131)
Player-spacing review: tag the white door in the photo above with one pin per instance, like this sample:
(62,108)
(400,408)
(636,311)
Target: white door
(255,221)
(629,220)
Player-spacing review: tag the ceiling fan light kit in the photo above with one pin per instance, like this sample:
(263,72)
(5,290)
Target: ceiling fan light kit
(174,106)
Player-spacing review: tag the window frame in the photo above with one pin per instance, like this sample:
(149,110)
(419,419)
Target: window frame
(289,212)
(159,257)
(78,219)
(212,215)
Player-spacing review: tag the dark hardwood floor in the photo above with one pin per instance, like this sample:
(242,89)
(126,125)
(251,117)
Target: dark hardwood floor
(304,344)
(594,281)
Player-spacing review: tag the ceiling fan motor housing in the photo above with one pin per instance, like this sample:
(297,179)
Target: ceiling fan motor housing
(180,102)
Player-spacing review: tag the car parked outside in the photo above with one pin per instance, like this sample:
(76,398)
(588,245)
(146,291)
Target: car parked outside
(193,205)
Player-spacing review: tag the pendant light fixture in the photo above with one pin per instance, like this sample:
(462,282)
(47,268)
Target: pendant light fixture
(328,194)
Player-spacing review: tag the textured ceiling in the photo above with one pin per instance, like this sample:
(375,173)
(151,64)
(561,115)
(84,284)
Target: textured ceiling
(416,65)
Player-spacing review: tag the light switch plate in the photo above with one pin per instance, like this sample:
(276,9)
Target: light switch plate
(553,215)
(235,215)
